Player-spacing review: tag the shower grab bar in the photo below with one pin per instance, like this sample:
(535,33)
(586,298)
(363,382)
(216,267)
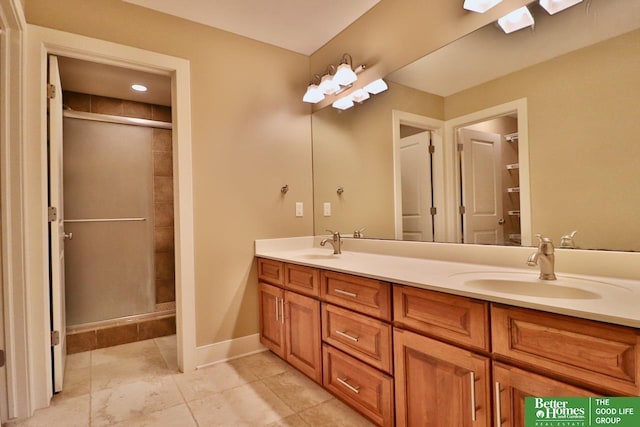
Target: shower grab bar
(105,220)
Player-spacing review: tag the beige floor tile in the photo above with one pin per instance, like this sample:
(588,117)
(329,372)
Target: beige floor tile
(263,364)
(335,414)
(248,405)
(78,360)
(291,421)
(72,412)
(129,370)
(76,382)
(168,348)
(118,353)
(133,400)
(212,379)
(177,416)
(296,390)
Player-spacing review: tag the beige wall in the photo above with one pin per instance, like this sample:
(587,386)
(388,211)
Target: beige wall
(396,32)
(354,149)
(249,139)
(583,124)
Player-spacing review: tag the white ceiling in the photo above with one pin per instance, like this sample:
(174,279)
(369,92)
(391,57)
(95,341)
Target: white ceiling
(302,26)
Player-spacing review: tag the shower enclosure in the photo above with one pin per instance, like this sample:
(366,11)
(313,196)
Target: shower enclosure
(108,191)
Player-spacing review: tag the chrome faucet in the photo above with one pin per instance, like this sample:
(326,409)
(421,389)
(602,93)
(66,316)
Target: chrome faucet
(544,257)
(336,242)
(568,241)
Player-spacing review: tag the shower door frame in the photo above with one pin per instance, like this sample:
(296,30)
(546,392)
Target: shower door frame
(40,43)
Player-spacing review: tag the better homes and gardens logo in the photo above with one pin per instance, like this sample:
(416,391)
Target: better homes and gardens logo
(561,412)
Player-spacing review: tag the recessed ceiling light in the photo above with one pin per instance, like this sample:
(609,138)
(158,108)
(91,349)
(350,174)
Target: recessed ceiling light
(139,88)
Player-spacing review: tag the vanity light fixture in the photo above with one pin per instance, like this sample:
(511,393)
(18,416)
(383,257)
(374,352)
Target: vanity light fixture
(328,85)
(334,80)
(376,86)
(360,95)
(555,6)
(344,74)
(480,6)
(314,94)
(343,103)
(516,20)
(139,87)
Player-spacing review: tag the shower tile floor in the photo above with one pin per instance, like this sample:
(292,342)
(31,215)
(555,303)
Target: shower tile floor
(138,384)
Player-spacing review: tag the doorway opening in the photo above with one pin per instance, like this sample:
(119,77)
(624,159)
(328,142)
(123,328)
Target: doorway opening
(111,182)
(489,181)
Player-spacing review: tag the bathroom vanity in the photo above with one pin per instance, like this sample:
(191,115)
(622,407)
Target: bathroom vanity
(408,340)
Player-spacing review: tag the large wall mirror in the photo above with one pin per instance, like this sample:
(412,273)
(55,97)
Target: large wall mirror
(537,131)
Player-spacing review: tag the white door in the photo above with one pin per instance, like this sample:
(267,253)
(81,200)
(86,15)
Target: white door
(56,227)
(415,167)
(481,187)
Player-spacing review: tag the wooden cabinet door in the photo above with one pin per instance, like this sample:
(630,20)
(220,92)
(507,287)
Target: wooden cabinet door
(512,385)
(439,385)
(303,340)
(271,309)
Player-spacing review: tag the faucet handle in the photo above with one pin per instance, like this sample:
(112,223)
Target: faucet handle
(334,233)
(567,240)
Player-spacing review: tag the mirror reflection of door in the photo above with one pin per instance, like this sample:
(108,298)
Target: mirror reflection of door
(490,203)
(417,188)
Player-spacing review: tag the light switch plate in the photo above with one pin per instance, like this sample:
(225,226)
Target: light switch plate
(327,209)
(299,209)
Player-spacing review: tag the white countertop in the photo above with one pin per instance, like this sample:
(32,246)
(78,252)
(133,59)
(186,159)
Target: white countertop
(606,299)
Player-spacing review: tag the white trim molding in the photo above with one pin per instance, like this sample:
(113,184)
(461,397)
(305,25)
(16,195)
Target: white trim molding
(227,350)
(14,377)
(40,43)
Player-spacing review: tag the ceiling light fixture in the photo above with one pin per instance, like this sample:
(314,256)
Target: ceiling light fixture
(555,6)
(139,88)
(516,20)
(480,6)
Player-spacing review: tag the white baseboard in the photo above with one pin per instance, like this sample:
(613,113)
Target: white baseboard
(227,350)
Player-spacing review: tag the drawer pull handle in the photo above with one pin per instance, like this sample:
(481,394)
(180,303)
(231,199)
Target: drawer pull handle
(355,389)
(498,409)
(282,310)
(347,336)
(277,309)
(347,293)
(472,378)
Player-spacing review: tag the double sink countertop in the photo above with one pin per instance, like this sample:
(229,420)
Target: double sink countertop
(606,299)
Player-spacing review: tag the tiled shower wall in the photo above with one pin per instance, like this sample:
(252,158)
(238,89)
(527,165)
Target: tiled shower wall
(163,225)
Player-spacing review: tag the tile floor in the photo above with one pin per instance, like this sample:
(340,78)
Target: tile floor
(138,384)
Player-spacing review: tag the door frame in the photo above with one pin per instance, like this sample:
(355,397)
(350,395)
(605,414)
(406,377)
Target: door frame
(452,167)
(12,221)
(40,43)
(436,128)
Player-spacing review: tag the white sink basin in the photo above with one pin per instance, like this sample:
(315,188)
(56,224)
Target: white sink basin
(519,283)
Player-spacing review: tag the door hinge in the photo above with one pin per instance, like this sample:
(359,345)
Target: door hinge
(51,91)
(462,210)
(2,358)
(432,149)
(434,210)
(460,147)
(55,338)
(52,213)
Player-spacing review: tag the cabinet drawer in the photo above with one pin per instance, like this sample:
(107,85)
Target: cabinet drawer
(456,319)
(271,271)
(602,356)
(360,336)
(367,296)
(305,280)
(366,389)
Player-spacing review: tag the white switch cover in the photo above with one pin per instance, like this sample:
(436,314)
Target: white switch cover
(327,208)
(299,209)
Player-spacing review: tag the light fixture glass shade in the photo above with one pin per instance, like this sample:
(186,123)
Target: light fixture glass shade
(480,6)
(555,6)
(360,95)
(376,86)
(344,75)
(343,103)
(328,86)
(516,20)
(313,94)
